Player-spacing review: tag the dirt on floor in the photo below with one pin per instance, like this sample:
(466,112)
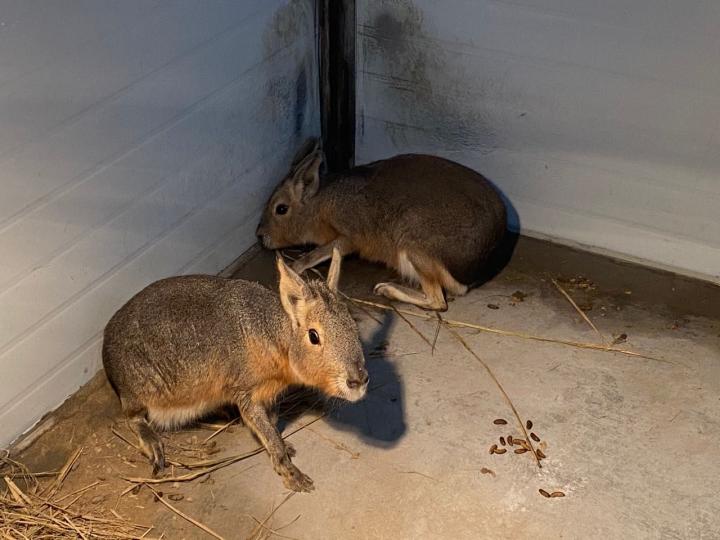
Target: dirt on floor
(629,441)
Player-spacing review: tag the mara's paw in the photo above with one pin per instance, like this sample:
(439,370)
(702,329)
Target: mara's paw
(157,456)
(294,479)
(380,288)
(152,446)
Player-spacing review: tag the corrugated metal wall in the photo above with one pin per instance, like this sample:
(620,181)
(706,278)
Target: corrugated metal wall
(599,120)
(138,139)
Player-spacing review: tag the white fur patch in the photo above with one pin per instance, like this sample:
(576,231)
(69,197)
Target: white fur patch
(406,268)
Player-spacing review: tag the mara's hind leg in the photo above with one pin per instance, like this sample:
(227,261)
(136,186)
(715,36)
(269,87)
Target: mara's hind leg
(431,297)
(150,442)
(451,285)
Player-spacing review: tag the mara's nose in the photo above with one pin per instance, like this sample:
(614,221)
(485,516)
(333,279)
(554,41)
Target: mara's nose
(359,379)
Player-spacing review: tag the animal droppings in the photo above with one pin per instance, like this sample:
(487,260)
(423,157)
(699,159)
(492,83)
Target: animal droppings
(499,421)
(540,454)
(502,441)
(544,493)
(510,440)
(501,450)
(520,450)
(529,424)
(557,494)
(534,437)
(493,449)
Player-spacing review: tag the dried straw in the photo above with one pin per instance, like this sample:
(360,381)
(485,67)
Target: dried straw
(510,333)
(35,511)
(500,387)
(411,325)
(256,534)
(577,308)
(183,515)
(221,429)
(208,466)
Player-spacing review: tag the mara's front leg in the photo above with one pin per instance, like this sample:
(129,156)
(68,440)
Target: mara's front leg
(256,418)
(321,254)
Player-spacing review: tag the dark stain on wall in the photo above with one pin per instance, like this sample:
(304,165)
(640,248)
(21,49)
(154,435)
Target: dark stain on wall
(290,92)
(424,83)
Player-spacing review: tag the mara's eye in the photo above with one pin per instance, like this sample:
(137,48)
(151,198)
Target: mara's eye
(281,209)
(314,336)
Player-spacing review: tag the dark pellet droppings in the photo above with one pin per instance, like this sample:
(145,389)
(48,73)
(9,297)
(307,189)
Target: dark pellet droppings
(520,450)
(501,450)
(529,424)
(540,454)
(534,437)
(493,448)
(502,441)
(510,440)
(493,306)
(544,493)
(557,494)
(499,421)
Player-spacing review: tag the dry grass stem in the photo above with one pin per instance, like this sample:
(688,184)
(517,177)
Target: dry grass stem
(62,474)
(412,326)
(577,308)
(337,444)
(500,387)
(221,429)
(364,310)
(183,515)
(208,466)
(257,531)
(81,490)
(521,335)
(437,333)
(35,512)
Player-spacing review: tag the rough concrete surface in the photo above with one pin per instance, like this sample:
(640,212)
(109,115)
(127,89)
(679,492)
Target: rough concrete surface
(631,442)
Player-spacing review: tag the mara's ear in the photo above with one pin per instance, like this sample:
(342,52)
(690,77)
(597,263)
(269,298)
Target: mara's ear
(306,177)
(333,277)
(310,146)
(294,293)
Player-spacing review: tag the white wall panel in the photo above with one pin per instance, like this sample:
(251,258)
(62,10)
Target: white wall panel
(597,120)
(138,140)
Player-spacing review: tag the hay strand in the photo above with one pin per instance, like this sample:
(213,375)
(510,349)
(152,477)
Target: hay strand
(521,335)
(500,387)
(577,308)
(220,430)
(183,515)
(208,466)
(411,325)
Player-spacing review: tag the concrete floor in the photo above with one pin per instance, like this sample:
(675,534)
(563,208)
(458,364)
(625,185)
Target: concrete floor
(632,442)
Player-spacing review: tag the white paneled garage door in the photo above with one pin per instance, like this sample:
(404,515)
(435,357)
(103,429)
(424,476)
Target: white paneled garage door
(138,139)
(599,120)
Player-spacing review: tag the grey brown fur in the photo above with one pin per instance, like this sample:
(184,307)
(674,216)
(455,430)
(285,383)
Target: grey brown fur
(185,346)
(434,221)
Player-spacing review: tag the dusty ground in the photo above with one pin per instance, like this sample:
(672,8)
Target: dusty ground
(631,442)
